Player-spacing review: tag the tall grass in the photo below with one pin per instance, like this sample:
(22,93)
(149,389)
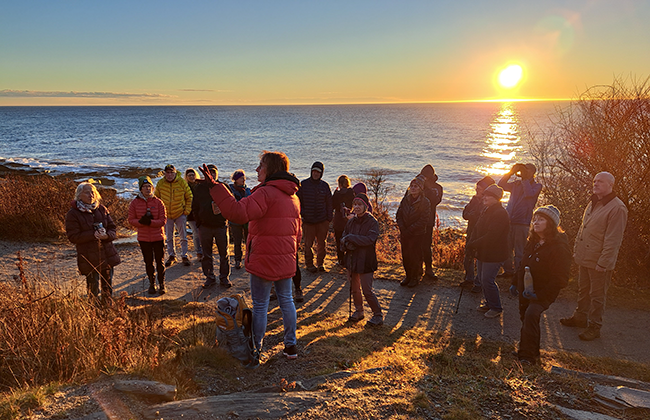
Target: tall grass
(34,207)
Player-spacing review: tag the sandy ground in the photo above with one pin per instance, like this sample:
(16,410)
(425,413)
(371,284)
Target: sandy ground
(624,333)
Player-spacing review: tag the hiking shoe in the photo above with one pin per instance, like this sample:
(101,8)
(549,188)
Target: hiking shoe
(483,308)
(291,352)
(186,261)
(355,317)
(375,321)
(591,333)
(312,269)
(298,297)
(237,265)
(162,290)
(321,268)
(493,313)
(152,289)
(574,322)
(209,283)
(171,260)
(225,283)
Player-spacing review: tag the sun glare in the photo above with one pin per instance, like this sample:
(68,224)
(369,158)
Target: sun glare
(511,76)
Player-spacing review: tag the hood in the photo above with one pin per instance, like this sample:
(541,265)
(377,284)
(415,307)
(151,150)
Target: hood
(284,181)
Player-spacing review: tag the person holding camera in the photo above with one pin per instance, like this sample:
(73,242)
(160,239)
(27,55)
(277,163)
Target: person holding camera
(147,214)
(523,199)
(89,226)
(358,242)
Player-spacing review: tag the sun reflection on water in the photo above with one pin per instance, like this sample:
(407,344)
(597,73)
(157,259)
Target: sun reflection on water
(503,142)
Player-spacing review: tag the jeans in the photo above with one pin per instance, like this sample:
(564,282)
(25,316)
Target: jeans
(154,251)
(363,283)
(196,237)
(239,234)
(530,313)
(179,222)
(487,274)
(220,236)
(260,293)
(94,278)
(316,231)
(516,242)
(592,291)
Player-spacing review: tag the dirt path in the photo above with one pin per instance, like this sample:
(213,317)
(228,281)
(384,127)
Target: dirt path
(624,334)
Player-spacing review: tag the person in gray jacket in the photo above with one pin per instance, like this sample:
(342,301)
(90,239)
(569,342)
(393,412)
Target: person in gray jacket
(595,251)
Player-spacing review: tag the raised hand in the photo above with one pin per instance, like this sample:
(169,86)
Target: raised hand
(207,176)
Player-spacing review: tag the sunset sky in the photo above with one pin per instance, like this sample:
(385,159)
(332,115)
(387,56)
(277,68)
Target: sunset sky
(313,52)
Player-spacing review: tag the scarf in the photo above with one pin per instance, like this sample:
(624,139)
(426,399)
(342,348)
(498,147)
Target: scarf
(87,208)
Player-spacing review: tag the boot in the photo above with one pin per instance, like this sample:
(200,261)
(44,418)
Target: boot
(152,287)
(413,282)
(591,333)
(162,289)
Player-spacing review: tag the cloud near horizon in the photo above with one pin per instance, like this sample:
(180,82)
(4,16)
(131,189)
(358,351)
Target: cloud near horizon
(72,94)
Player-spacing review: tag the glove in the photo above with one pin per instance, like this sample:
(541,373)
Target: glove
(529,295)
(513,291)
(145,220)
(209,180)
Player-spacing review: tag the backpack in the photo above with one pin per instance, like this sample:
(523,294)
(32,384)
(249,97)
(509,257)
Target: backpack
(235,328)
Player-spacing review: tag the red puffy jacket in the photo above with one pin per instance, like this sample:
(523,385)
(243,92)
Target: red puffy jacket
(138,208)
(273,213)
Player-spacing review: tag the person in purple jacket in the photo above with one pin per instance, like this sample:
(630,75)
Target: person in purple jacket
(523,199)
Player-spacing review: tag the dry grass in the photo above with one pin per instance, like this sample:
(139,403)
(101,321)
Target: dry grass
(34,207)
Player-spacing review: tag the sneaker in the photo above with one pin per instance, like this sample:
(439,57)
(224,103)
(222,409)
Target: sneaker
(152,289)
(355,317)
(225,283)
(171,260)
(291,352)
(298,297)
(492,313)
(375,321)
(574,322)
(237,265)
(209,283)
(483,308)
(162,290)
(321,268)
(476,289)
(591,333)
(312,269)
(186,261)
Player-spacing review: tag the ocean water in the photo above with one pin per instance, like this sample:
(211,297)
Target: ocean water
(463,142)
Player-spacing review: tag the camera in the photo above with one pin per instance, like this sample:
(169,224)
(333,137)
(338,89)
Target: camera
(98,226)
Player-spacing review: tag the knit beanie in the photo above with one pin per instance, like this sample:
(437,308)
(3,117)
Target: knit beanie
(360,188)
(485,182)
(363,197)
(495,191)
(238,174)
(552,212)
(419,181)
(144,180)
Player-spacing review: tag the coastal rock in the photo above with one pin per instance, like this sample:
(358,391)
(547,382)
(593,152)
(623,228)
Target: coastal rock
(149,390)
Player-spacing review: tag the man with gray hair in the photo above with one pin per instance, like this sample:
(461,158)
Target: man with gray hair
(595,252)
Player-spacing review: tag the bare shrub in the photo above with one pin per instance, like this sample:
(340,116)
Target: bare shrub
(606,129)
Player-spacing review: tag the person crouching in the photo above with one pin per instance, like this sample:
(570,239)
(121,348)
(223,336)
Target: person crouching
(358,241)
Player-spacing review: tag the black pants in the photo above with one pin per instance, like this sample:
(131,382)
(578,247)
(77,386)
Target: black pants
(530,313)
(239,234)
(340,254)
(209,235)
(297,278)
(103,277)
(412,250)
(427,256)
(154,251)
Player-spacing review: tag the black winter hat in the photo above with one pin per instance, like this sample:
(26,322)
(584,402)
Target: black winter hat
(318,166)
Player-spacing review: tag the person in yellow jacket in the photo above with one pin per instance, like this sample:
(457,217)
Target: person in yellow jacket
(177,197)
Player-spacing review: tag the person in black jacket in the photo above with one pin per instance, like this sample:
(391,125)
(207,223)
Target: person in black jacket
(316,211)
(342,203)
(412,216)
(212,226)
(471,213)
(548,255)
(358,241)
(433,192)
(490,242)
(239,232)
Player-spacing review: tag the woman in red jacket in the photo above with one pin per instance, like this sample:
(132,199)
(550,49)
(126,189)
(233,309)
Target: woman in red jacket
(273,214)
(147,215)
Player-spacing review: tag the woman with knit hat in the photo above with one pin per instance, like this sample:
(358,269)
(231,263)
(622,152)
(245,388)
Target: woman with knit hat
(358,241)
(548,257)
(147,215)
(413,215)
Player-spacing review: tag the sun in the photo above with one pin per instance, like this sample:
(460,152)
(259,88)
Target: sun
(511,76)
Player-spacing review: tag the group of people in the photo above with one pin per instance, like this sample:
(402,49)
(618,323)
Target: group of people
(528,245)
(525,242)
